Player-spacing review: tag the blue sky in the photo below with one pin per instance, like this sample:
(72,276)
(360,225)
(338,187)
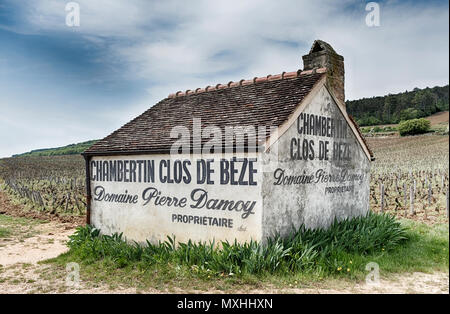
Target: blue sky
(61,85)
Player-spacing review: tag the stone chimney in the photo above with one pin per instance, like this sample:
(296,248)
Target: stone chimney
(322,55)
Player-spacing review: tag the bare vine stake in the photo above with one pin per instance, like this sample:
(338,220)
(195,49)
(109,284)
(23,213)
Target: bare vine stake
(405,195)
(406,202)
(67,202)
(447,204)
(382,197)
(411,201)
(429,194)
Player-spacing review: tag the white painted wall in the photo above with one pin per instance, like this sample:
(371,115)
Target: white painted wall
(154,222)
(287,206)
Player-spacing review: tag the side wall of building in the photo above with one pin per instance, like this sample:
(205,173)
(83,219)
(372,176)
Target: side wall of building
(322,172)
(192,197)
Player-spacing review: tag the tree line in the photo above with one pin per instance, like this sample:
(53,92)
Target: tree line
(72,149)
(393,108)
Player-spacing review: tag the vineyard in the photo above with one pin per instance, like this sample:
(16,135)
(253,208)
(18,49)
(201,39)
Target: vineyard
(410,178)
(49,184)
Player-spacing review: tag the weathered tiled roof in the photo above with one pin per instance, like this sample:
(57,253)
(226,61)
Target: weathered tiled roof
(266,101)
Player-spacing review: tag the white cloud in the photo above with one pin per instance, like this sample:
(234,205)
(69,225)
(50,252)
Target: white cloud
(179,45)
(173,42)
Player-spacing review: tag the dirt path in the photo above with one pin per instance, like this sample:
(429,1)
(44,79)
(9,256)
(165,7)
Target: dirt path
(21,272)
(49,242)
(34,240)
(415,283)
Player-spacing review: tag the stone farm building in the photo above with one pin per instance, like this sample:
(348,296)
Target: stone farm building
(183,169)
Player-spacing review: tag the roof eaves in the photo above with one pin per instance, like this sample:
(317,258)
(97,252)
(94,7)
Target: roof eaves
(159,151)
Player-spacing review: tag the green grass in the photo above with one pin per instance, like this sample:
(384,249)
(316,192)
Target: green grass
(18,227)
(5,232)
(440,128)
(379,129)
(306,257)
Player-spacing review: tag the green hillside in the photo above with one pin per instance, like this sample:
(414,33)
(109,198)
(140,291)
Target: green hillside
(393,108)
(71,149)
